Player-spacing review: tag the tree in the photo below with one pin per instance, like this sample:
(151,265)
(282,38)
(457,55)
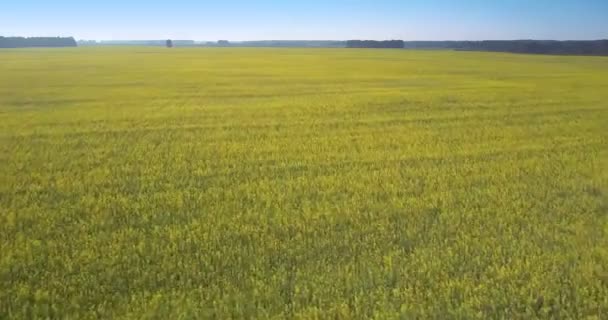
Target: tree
(20,42)
(169,44)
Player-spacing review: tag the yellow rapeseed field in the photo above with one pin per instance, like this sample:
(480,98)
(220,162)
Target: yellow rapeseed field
(229,183)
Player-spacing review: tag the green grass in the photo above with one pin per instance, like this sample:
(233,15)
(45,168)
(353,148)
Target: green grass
(302,183)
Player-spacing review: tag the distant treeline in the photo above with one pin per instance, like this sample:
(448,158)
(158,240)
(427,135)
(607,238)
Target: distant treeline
(143,43)
(291,43)
(397,44)
(220,43)
(598,47)
(20,42)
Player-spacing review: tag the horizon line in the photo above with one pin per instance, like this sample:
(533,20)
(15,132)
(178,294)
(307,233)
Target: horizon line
(329,40)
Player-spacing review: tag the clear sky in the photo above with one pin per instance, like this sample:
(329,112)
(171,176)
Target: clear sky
(306,19)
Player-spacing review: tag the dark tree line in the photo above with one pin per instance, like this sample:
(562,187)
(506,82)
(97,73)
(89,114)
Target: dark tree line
(540,47)
(599,47)
(397,44)
(20,42)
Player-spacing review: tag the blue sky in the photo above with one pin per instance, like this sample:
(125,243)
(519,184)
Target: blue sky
(310,19)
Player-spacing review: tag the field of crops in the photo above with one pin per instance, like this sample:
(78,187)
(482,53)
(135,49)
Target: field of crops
(302,183)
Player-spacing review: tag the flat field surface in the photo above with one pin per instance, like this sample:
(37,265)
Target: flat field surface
(302,183)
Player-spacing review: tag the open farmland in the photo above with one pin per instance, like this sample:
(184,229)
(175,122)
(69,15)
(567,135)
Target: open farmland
(302,183)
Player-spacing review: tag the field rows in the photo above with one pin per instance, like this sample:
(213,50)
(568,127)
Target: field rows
(292,183)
